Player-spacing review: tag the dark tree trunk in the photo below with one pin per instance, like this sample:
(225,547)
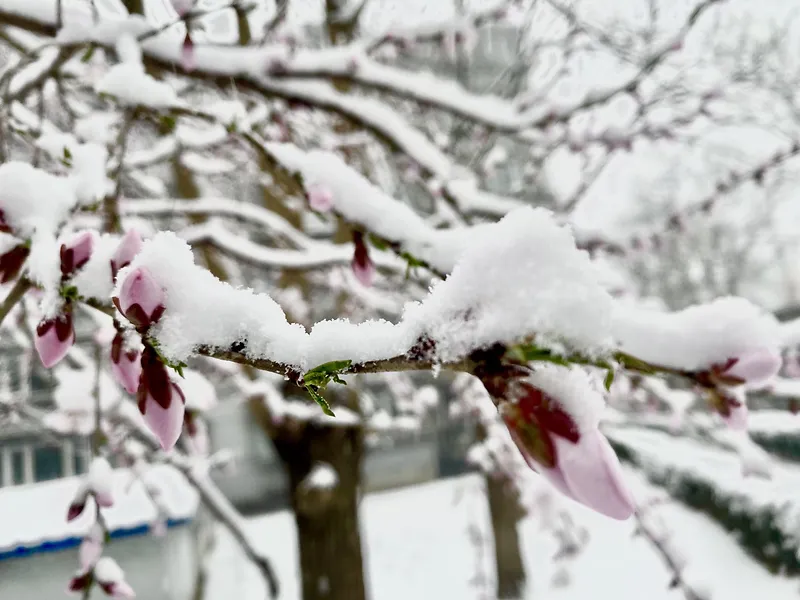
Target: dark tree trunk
(506,511)
(329,540)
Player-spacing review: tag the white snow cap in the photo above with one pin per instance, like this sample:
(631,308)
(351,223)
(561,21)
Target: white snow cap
(697,337)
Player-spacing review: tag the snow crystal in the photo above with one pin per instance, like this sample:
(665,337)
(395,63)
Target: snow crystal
(132,86)
(99,127)
(322,476)
(32,199)
(94,279)
(698,336)
(74,392)
(521,277)
(107,570)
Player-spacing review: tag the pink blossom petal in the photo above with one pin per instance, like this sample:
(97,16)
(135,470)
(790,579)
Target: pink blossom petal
(89,552)
(188,62)
(320,198)
(757,366)
(364,272)
(141,298)
(126,365)
(737,419)
(53,340)
(76,252)
(165,423)
(593,474)
(129,247)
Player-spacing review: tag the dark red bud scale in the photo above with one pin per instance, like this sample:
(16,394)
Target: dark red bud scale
(11,262)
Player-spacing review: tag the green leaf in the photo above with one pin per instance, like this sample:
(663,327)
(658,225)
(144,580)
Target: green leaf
(326,408)
(70,292)
(87,56)
(378,242)
(168,123)
(67,157)
(609,379)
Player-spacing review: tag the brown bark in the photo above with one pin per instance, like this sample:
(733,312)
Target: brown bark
(329,540)
(506,511)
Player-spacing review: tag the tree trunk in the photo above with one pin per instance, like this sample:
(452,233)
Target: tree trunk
(505,513)
(328,534)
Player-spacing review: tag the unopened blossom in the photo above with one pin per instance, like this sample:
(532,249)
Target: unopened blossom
(754,367)
(363,267)
(76,252)
(160,400)
(54,338)
(580,464)
(320,198)
(4,225)
(11,262)
(187,54)
(182,7)
(731,406)
(129,246)
(91,548)
(141,298)
(111,579)
(100,481)
(126,364)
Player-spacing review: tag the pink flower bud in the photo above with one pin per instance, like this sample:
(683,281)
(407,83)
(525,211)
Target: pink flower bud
(80,582)
(125,365)
(320,198)
(160,400)
(54,338)
(129,247)
(76,253)
(111,579)
(363,267)
(182,7)
(91,547)
(754,367)
(165,423)
(78,503)
(187,54)
(100,481)
(11,262)
(141,298)
(581,465)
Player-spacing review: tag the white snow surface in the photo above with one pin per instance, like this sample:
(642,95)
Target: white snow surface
(417,545)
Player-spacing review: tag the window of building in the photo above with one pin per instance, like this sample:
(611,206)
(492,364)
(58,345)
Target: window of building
(80,460)
(47,463)
(18,466)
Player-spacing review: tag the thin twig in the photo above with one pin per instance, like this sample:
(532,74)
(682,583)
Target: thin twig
(22,285)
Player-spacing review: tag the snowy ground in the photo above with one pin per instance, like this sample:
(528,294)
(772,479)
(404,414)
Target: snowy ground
(418,546)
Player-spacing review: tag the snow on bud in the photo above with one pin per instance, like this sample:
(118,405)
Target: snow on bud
(363,267)
(91,547)
(320,198)
(76,253)
(753,367)
(129,247)
(160,400)
(11,262)
(141,298)
(54,338)
(100,481)
(126,364)
(111,578)
(187,54)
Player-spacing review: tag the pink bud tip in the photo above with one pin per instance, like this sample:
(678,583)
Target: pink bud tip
(129,247)
(126,365)
(75,510)
(141,298)
(187,54)
(737,416)
(54,338)
(320,198)
(76,253)
(166,422)
(756,366)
